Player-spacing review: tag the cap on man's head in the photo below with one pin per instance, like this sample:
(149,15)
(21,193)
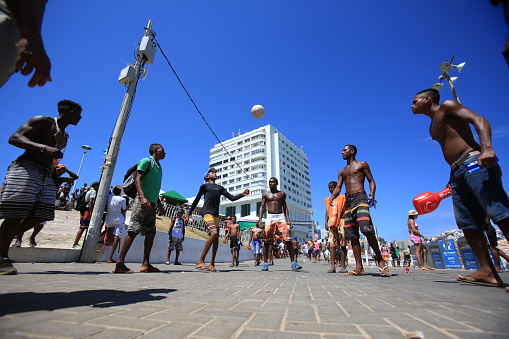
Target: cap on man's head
(212,169)
(413,212)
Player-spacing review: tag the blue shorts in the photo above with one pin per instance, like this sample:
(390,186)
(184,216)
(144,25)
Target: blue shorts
(256,246)
(478,194)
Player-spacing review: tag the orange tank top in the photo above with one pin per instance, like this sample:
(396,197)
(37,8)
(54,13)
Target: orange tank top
(334,212)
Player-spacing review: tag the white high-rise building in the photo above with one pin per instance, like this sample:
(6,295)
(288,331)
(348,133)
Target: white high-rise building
(261,154)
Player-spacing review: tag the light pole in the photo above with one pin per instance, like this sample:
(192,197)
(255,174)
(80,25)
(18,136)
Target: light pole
(86,148)
(313,226)
(445,67)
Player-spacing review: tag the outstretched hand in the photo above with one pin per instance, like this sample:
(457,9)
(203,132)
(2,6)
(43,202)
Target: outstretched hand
(32,55)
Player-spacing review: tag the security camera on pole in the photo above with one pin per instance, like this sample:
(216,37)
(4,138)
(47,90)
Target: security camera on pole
(130,76)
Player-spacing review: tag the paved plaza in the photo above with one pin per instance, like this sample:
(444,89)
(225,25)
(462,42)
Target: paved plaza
(75,300)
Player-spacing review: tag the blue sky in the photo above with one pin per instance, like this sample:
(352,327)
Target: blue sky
(328,73)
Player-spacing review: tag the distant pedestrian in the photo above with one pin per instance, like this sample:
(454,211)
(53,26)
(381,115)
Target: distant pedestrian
(233,235)
(115,220)
(86,213)
(395,256)
(255,239)
(144,210)
(176,233)
(28,193)
(421,252)
(210,211)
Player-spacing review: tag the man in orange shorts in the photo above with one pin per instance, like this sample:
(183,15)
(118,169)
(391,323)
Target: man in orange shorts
(277,217)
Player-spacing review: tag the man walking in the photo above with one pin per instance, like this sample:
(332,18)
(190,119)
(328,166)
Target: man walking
(475,193)
(86,213)
(210,211)
(28,194)
(278,218)
(356,212)
(149,175)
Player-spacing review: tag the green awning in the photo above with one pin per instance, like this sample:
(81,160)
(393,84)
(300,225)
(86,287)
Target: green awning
(245,225)
(172,197)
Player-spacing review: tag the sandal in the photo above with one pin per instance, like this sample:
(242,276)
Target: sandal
(356,273)
(331,271)
(383,272)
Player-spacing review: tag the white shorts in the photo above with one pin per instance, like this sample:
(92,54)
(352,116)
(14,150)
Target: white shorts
(118,229)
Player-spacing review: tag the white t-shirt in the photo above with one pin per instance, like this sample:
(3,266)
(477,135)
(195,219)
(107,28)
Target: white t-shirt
(91,193)
(178,226)
(116,204)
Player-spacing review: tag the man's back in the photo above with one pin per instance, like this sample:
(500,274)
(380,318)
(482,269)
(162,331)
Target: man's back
(116,204)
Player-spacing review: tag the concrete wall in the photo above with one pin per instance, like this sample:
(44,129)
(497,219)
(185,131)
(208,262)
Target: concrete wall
(191,253)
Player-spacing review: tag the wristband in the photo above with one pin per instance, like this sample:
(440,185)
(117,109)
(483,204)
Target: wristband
(43,149)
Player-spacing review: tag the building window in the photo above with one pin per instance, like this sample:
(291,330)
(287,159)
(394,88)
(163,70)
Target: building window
(245,210)
(230,211)
(258,205)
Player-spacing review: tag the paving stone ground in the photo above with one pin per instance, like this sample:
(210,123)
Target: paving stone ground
(87,301)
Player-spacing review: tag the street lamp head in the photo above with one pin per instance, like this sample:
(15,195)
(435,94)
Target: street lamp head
(86,147)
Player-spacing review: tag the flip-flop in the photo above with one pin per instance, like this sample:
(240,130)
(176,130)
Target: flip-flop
(202,267)
(355,273)
(231,265)
(110,261)
(382,270)
(212,269)
(150,269)
(331,271)
(475,281)
(123,271)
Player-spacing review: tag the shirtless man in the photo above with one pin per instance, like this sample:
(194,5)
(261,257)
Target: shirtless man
(278,216)
(356,213)
(311,251)
(28,195)
(337,241)
(255,239)
(233,234)
(477,194)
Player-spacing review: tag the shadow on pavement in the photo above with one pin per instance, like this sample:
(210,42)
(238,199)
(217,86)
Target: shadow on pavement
(33,301)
